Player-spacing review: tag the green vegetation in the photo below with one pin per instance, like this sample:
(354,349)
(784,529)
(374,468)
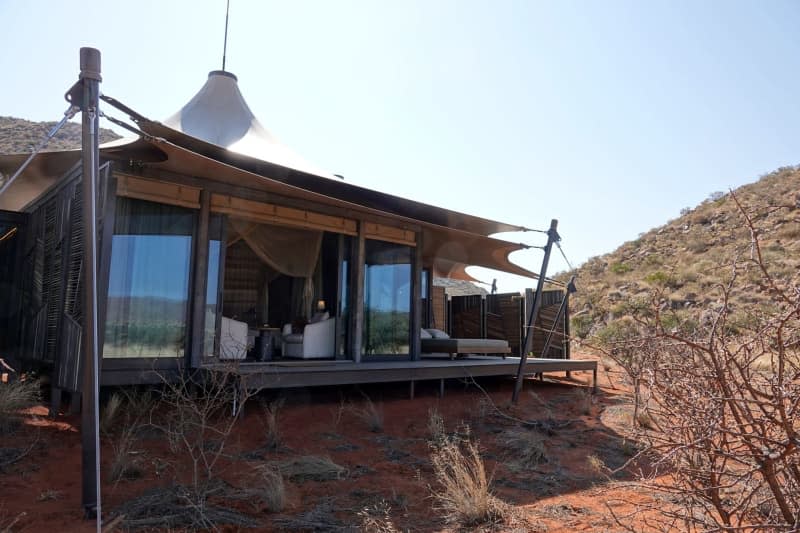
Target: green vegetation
(620,268)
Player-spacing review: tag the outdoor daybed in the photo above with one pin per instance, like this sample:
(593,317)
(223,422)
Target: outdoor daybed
(435,341)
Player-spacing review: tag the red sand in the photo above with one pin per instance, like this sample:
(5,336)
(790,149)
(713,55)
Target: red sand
(564,494)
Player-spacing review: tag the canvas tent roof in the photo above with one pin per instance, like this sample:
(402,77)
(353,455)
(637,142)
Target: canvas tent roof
(216,136)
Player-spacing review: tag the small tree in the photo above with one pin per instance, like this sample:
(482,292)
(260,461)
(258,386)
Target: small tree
(724,404)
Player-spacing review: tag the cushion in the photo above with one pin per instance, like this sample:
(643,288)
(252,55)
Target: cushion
(423,334)
(294,338)
(319,317)
(438,334)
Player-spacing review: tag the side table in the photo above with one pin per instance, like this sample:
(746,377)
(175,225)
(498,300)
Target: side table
(266,347)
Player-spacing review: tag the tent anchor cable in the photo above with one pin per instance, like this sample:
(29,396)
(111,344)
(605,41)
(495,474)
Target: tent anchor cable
(68,114)
(124,125)
(558,245)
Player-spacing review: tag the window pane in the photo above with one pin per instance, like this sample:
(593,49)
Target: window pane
(149,280)
(9,288)
(387,298)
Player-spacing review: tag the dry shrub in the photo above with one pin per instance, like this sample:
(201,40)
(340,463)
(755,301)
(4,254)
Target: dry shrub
(309,467)
(175,507)
(202,409)
(724,404)
(463,493)
(14,397)
(525,446)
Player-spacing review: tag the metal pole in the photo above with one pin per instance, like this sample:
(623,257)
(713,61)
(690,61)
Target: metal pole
(90,438)
(561,309)
(552,236)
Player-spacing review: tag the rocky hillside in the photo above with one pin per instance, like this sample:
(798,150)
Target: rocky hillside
(18,135)
(680,265)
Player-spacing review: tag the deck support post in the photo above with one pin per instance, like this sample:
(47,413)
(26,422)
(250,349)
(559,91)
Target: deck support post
(552,237)
(594,380)
(411,389)
(55,400)
(74,403)
(441,388)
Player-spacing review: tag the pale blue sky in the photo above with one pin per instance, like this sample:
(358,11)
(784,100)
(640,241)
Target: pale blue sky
(610,116)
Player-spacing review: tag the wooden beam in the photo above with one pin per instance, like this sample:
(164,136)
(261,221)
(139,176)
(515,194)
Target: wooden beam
(268,197)
(196,326)
(270,213)
(388,233)
(158,191)
(416,302)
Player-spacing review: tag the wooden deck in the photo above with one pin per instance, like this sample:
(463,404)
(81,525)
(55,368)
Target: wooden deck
(284,374)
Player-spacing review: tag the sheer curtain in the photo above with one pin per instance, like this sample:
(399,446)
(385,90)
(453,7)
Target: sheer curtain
(290,251)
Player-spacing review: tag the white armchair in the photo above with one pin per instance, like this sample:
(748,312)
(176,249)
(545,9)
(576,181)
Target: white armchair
(233,340)
(316,342)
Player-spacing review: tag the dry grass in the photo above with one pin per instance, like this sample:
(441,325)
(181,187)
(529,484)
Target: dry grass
(267,488)
(49,495)
(597,466)
(526,448)
(125,460)
(14,397)
(436,429)
(272,434)
(377,518)
(309,467)
(111,413)
(371,414)
(463,493)
(583,401)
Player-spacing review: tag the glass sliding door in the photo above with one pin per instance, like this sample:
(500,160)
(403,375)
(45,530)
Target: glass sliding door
(148,290)
(387,299)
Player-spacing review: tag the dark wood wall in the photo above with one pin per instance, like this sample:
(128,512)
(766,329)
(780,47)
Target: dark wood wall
(503,316)
(51,280)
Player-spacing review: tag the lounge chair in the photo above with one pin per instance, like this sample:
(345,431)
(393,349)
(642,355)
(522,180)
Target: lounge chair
(436,341)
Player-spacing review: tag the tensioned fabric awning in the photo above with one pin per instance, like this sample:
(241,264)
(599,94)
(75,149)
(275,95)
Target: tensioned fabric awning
(218,123)
(216,136)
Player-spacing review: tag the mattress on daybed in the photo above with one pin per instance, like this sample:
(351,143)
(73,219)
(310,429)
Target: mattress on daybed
(465,346)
